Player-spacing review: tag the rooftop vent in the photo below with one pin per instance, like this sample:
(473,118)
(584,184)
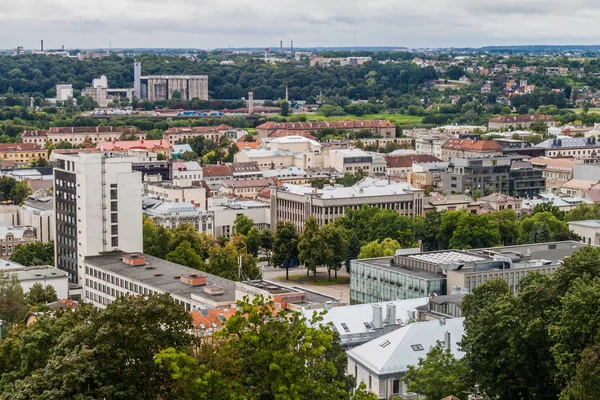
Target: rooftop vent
(214,290)
(193,279)
(134,259)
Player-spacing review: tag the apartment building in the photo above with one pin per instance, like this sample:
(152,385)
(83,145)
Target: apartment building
(171,214)
(519,121)
(470,148)
(97,202)
(488,174)
(22,153)
(556,171)
(297,203)
(577,148)
(402,165)
(76,135)
(431,145)
(159,147)
(181,134)
(525,181)
(385,129)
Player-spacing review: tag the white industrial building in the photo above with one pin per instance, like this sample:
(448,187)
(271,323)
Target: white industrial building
(42,274)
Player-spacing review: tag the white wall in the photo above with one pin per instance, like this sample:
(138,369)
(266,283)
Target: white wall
(61,285)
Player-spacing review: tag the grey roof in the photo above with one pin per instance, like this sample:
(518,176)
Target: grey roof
(554,252)
(35,273)
(18,232)
(449,298)
(174,207)
(368,187)
(384,263)
(355,316)
(163,276)
(181,148)
(566,143)
(590,223)
(391,354)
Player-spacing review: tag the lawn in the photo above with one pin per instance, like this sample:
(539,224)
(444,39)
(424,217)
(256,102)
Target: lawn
(341,280)
(393,118)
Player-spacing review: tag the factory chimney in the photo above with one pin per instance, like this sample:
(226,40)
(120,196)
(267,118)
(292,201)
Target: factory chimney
(287,99)
(281,47)
(63,47)
(250,102)
(292,48)
(42,46)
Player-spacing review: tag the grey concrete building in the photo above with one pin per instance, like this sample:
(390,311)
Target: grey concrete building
(488,174)
(296,203)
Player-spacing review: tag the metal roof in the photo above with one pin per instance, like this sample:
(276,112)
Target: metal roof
(391,354)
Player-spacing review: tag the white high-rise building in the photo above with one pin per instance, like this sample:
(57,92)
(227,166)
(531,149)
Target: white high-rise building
(98,208)
(64,92)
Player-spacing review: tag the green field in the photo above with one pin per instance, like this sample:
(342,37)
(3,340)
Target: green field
(393,118)
(322,280)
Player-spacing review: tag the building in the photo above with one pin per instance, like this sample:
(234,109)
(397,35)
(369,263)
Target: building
(381,363)
(442,307)
(180,149)
(564,203)
(285,298)
(64,92)
(297,203)
(510,263)
(45,275)
(588,230)
(178,135)
(586,172)
(110,276)
(488,174)
(13,236)
(427,175)
(226,210)
(216,174)
(525,181)
(38,212)
(173,213)
(350,160)
(162,87)
(76,135)
(519,121)
(578,187)
(402,165)
(447,202)
(499,202)
(360,323)
(182,189)
(248,188)
(160,147)
(187,170)
(247,170)
(97,203)
(578,148)
(556,171)
(384,129)
(22,153)
(341,61)
(469,148)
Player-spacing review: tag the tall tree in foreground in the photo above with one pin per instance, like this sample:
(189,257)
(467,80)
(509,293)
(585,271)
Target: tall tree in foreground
(13,305)
(311,246)
(335,244)
(285,246)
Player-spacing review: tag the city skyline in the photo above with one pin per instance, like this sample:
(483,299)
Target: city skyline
(134,23)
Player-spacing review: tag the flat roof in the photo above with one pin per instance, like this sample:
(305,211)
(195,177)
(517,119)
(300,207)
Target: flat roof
(164,276)
(590,223)
(446,257)
(384,263)
(554,252)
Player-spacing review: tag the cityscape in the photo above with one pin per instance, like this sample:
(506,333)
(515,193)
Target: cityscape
(410,222)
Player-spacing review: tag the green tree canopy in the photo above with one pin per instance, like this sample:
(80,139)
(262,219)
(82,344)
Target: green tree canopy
(36,253)
(285,245)
(40,295)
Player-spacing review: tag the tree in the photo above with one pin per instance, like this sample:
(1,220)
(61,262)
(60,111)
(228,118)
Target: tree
(156,239)
(247,358)
(586,383)
(539,126)
(584,212)
(20,192)
(266,241)
(553,225)
(353,250)
(285,108)
(224,262)
(113,349)
(242,224)
(36,253)
(475,231)
(39,295)
(334,245)
(376,249)
(438,375)
(12,299)
(185,255)
(189,156)
(252,240)
(310,246)
(285,246)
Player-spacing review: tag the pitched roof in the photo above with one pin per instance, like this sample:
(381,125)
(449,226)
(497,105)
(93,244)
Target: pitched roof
(216,170)
(249,183)
(554,164)
(401,161)
(580,184)
(289,132)
(20,147)
(315,126)
(93,129)
(472,145)
(519,119)
(214,318)
(237,167)
(394,352)
(135,144)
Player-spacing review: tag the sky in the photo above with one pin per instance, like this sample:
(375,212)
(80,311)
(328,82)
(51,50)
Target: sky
(309,23)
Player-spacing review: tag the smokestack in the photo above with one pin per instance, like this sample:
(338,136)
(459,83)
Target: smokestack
(281,46)
(42,45)
(287,99)
(63,47)
(292,48)
(250,102)
(447,340)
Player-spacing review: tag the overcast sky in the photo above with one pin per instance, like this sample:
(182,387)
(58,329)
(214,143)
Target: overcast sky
(309,23)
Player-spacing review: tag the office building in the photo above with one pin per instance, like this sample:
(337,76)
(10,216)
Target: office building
(182,189)
(64,92)
(488,174)
(76,135)
(297,203)
(525,181)
(98,202)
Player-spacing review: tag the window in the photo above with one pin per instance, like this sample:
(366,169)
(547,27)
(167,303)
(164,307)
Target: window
(370,383)
(114,229)
(345,327)
(114,241)
(417,347)
(114,218)
(396,386)
(113,206)
(385,344)
(113,194)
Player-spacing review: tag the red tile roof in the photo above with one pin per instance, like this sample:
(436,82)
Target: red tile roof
(288,132)
(93,129)
(402,161)
(248,145)
(20,147)
(472,145)
(315,126)
(216,170)
(206,321)
(135,144)
(519,119)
